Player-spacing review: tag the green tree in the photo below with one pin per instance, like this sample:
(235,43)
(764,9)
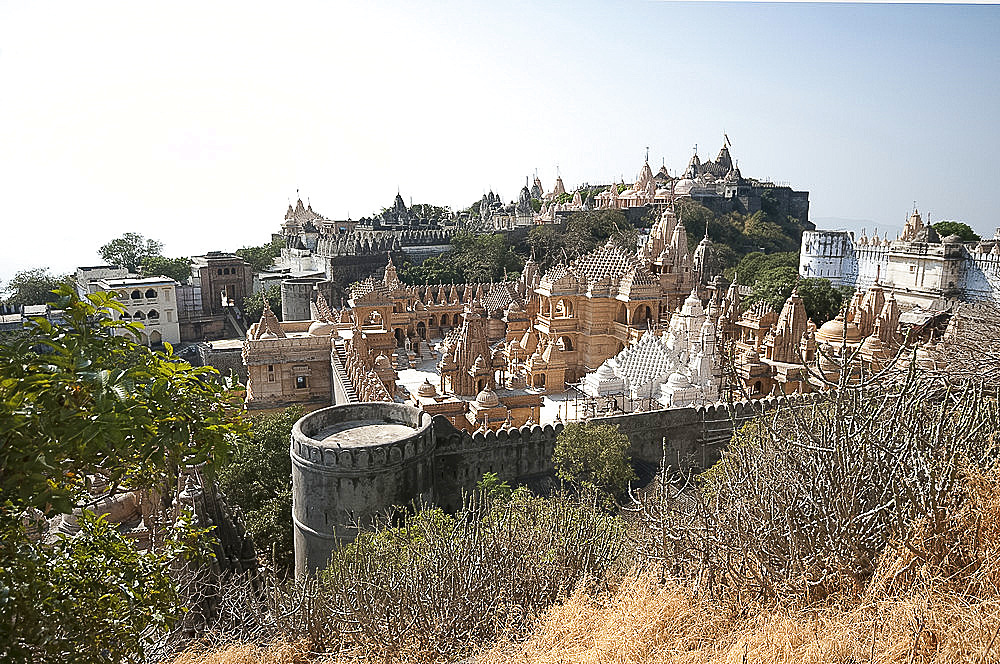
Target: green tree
(261,258)
(32,287)
(964,231)
(258,477)
(755,264)
(472,258)
(178,269)
(130,250)
(433,270)
(77,402)
(594,457)
(253,304)
(822,300)
(493,487)
(774,286)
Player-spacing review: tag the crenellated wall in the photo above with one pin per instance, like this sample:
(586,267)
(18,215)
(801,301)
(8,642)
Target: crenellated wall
(337,486)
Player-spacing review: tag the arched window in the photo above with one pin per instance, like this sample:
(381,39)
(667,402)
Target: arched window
(126,316)
(150,294)
(136,295)
(140,316)
(154,314)
(220,270)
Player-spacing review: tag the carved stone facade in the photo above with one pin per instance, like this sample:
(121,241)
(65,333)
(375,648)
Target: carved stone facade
(287,363)
(348,251)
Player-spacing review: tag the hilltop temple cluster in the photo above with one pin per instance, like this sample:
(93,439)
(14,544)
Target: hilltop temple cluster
(653,327)
(718,185)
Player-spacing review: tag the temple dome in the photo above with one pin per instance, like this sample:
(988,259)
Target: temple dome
(605,372)
(684,186)
(834,331)
(678,380)
(322,328)
(382,362)
(426,389)
(487,399)
(952,239)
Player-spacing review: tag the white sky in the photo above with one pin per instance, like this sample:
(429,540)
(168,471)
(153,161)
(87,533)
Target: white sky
(193,123)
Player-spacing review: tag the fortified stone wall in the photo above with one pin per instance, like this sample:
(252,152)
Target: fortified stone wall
(338,486)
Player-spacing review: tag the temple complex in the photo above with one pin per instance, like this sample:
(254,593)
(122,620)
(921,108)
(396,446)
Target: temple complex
(341,252)
(617,329)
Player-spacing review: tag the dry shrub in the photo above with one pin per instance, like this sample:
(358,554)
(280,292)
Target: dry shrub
(934,598)
(962,555)
(807,498)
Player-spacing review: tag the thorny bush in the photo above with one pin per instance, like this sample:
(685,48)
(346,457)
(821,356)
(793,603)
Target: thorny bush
(807,497)
(435,586)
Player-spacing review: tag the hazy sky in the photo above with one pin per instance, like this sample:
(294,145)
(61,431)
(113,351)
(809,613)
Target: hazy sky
(194,123)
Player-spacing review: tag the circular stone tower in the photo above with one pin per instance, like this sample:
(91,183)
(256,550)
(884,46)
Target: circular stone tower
(295,297)
(350,463)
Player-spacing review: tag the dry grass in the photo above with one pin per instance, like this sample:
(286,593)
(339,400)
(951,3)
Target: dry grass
(278,653)
(934,598)
(645,623)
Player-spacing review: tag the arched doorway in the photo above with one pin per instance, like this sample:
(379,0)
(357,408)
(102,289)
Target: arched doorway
(422,329)
(621,316)
(398,333)
(444,320)
(538,380)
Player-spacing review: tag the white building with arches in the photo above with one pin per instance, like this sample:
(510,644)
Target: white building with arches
(151,301)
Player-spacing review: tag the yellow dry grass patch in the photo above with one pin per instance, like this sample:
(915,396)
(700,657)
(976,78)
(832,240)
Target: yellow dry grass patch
(277,653)
(646,623)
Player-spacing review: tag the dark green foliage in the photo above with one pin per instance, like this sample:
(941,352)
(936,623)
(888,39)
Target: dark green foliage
(761,232)
(774,286)
(178,269)
(492,486)
(822,300)
(594,458)
(253,304)
(76,402)
(964,231)
(756,265)
(130,251)
(88,598)
(472,258)
(773,276)
(262,257)
(582,233)
(31,287)
(258,477)
(437,214)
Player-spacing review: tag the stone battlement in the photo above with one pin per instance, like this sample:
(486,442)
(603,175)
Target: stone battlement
(340,483)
